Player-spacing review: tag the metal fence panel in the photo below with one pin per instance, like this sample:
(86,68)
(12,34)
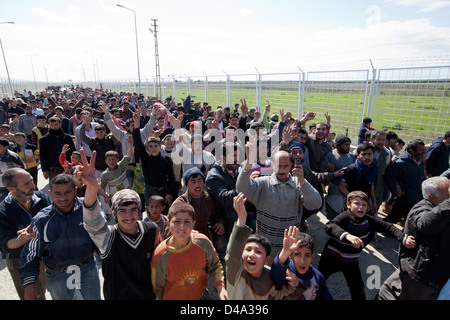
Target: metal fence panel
(343,94)
(413,102)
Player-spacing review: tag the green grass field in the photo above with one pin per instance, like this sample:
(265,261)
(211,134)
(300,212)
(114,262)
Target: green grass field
(412,111)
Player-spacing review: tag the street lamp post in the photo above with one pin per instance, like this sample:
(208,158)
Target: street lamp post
(6,65)
(137,47)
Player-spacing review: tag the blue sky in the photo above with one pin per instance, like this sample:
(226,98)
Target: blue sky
(64,39)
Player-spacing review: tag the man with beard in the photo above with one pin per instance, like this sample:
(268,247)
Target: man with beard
(318,148)
(50,147)
(404,179)
(361,175)
(279,198)
(382,159)
(16,212)
(339,158)
(221,185)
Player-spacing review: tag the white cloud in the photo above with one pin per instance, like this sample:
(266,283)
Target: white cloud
(435,5)
(245,12)
(47,15)
(422,5)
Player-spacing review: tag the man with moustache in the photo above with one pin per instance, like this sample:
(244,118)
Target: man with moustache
(203,204)
(336,160)
(279,198)
(361,175)
(404,178)
(50,147)
(64,246)
(16,212)
(221,185)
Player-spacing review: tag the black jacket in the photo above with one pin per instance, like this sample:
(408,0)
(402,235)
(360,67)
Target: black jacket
(436,159)
(222,188)
(429,261)
(50,146)
(14,217)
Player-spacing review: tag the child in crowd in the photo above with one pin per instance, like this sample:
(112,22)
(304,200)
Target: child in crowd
(39,130)
(297,255)
(182,263)
(28,153)
(248,276)
(350,232)
(14,123)
(155,206)
(138,180)
(114,178)
(75,158)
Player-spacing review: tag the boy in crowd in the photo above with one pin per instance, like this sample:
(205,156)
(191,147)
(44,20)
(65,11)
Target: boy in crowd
(157,168)
(39,130)
(75,158)
(296,256)
(28,153)
(155,207)
(248,276)
(350,232)
(126,247)
(182,263)
(114,177)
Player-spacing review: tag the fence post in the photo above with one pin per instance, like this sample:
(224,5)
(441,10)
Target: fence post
(259,93)
(301,90)
(228,90)
(174,89)
(371,95)
(374,92)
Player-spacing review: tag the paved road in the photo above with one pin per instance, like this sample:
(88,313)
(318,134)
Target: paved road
(376,265)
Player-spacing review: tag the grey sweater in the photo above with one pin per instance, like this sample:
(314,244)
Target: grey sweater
(279,204)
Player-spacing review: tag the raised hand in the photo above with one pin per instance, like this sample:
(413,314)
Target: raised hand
(86,172)
(239,206)
(290,243)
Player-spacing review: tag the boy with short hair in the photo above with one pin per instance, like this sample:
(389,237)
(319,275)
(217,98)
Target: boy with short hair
(155,207)
(114,177)
(28,153)
(248,276)
(157,168)
(39,130)
(297,255)
(14,123)
(75,158)
(125,247)
(182,263)
(350,232)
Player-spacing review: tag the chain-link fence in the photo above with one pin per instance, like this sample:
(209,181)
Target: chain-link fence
(414,102)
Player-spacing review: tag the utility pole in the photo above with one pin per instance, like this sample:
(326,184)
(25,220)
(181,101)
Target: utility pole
(158,74)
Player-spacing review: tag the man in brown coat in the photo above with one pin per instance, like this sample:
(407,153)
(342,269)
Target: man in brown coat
(203,204)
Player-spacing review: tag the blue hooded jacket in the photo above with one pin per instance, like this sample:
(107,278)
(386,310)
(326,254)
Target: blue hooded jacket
(408,175)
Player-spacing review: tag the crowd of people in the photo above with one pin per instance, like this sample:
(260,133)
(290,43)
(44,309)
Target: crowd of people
(188,201)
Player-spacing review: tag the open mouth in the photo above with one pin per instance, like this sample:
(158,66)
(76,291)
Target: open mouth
(251,263)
